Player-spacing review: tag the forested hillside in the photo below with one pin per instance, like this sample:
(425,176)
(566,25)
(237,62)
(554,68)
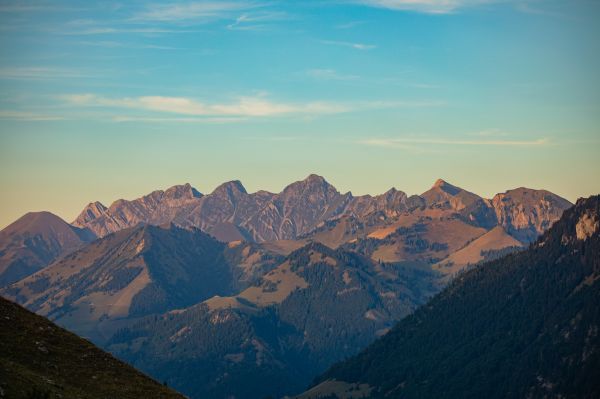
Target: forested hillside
(525,325)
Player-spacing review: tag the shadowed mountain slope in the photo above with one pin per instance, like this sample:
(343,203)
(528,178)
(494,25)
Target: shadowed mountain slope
(317,306)
(38,359)
(525,325)
(34,241)
(131,273)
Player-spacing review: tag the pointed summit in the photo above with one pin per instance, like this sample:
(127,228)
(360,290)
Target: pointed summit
(33,241)
(439,183)
(314,185)
(182,191)
(234,187)
(92,211)
(312,182)
(314,178)
(445,195)
(443,185)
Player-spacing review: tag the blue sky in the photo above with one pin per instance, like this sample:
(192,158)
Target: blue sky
(103,100)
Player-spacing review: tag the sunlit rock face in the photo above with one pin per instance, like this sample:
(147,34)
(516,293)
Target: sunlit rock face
(587,226)
(230,213)
(526,213)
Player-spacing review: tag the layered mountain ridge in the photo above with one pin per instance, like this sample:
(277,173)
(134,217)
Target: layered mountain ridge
(315,306)
(231,213)
(132,273)
(524,325)
(245,289)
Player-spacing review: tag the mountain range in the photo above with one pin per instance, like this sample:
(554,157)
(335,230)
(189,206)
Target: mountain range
(522,326)
(230,213)
(232,294)
(310,209)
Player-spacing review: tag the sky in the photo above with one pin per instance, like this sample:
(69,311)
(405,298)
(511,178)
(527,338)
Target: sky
(108,100)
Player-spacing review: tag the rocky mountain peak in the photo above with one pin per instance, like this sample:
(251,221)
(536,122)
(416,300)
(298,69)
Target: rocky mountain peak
(525,213)
(184,191)
(311,184)
(393,193)
(445,194)
(446,187)
(230,189)
(33,241)
(92,211)
(439,183)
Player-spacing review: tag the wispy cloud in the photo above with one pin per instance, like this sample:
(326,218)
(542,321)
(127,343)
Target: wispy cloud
(244,106)
(41,72)
(257,20)
(117,44)
(106,30)
(425,6)
(414,142)
(357,46)
(198,12)
(123,119)
(241,107)
(329,74)
(30,6)
(27,116)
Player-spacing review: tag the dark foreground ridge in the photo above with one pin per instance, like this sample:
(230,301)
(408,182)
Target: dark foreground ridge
(526,325)
(38,359)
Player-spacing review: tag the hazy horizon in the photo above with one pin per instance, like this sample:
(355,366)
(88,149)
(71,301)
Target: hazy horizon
(108,101)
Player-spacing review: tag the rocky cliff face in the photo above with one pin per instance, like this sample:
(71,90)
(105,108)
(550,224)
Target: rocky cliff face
(158,207)
(391,204)
(230,213)
(92,211)
(526,213)
(298,209)
(225,212)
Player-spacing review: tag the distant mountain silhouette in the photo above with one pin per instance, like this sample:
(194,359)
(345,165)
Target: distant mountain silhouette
(230,213)
(34,241)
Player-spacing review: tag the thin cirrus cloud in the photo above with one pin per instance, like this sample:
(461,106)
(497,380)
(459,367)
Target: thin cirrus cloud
(329,74)
(426,6)
(204,11)
(256,106)
(27,116)
(41,72)
(411,143)
(357,46)
(242,107)
(256,20)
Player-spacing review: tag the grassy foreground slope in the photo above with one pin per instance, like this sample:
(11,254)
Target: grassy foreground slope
(38,359)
